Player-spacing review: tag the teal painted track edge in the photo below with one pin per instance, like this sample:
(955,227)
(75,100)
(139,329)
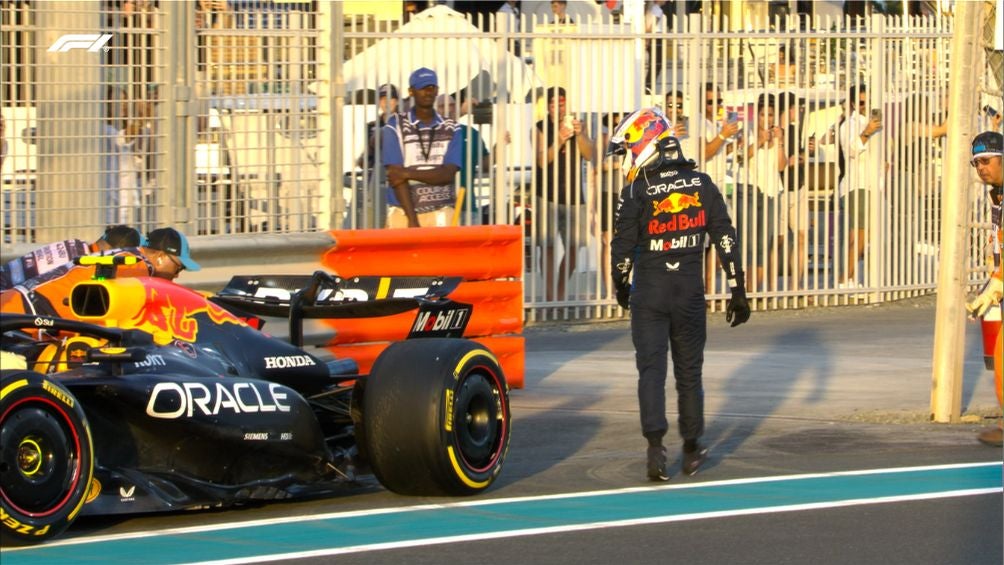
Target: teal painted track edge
(330,533)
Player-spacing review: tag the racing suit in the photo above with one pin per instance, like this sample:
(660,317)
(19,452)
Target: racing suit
(659,232)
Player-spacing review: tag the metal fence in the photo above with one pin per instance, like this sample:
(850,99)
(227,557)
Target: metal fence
(231,118)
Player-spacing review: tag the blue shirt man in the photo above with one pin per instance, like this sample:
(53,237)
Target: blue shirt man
(422,152)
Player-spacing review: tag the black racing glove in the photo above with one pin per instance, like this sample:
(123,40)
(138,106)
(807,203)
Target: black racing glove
(624,296)
(737,308)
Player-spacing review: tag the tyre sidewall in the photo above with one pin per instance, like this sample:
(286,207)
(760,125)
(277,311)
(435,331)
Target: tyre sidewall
(28,389)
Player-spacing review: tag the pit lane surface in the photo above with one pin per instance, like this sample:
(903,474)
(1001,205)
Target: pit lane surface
(789,395)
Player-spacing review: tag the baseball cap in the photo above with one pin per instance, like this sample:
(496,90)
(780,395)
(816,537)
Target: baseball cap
(988,143)
(170,240)
(422,78)
(388,90)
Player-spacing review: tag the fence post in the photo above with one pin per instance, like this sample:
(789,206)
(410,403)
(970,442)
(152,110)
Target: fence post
(949,327)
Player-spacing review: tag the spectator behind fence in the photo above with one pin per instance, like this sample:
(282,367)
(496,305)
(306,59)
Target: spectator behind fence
(655,28)
(758,187)
(676,112)
(508,21)
(421,154)
(559,12)
(475,152)
(659,239)
(563,146)
(918,135)
(861,172)
(609,182)
(794,209)
(718,144)
(988,155)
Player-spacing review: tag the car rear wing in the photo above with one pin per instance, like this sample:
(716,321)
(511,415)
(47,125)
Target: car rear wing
(322,295)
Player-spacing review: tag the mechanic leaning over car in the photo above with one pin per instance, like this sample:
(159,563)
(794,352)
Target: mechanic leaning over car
(988,154)
(663,217)
(164,253)
(55,255)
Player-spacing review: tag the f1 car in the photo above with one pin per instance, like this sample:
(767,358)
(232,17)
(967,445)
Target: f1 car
(158,398)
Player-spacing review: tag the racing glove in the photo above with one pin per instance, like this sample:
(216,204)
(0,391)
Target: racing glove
(623,295)
(737,308)
(990,296)
(622,282)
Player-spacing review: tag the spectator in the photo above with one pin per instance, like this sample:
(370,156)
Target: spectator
(676,112)
(915,157)
(793,226)
(475,153)
(559,9)
(58,254)
(609,182)
(659,237)
(131,125)
(563,145)
(387,104)
(508,21)
(762,161)
(988,154)
(861,156)
(717,147)
(422,153)
(655,27)
(3,140)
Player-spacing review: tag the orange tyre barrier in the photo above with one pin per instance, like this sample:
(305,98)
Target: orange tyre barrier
(476,253)
(488,258)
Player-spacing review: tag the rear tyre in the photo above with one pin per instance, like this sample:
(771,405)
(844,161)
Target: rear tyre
(436,415)
(46,456)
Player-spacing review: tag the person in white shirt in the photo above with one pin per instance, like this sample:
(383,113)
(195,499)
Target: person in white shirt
(759,185)
(508,22)
(718,144)
(861,155)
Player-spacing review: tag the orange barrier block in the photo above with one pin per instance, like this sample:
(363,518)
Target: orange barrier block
(498,309)
(471,252)
(509,350)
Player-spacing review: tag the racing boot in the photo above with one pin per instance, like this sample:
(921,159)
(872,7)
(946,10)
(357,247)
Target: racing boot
(693,457)
(657,463)
(994,437)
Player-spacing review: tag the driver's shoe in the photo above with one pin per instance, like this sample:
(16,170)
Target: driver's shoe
(994,437)
(692,460)
(657,463)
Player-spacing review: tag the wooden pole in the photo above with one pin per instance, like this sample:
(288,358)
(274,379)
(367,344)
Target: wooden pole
(949,328)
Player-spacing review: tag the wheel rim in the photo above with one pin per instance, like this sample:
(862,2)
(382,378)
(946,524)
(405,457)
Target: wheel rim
(39,459)
(478,426)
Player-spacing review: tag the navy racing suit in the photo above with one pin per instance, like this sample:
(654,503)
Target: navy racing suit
(659,232)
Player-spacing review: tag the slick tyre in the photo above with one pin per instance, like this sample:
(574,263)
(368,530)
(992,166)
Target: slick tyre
(46,457)
(436,415)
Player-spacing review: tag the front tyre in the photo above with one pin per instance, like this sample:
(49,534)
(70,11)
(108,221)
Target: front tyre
(46,456)
(436,415)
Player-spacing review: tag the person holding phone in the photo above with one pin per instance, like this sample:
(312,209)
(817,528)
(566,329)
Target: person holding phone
(861,155)
(720,138)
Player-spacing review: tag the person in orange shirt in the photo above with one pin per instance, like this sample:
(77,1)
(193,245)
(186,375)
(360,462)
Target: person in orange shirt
(165,254)
(988,152)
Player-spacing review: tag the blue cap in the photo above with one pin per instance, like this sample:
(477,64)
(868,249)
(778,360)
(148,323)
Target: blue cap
(422,78)
(170,240)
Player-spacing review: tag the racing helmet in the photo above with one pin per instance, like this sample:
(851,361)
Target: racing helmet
(643,137)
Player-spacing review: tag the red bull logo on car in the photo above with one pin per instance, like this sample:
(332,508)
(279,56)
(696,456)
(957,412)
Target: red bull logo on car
(676,203)
(173,310)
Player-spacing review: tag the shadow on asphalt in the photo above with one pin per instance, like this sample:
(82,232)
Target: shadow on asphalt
(796,360)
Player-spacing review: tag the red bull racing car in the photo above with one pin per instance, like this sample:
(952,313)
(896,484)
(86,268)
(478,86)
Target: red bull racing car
(157,398)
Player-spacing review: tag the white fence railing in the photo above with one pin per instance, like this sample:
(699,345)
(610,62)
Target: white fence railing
(223,124)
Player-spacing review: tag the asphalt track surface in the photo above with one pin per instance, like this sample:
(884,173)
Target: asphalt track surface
(821,452)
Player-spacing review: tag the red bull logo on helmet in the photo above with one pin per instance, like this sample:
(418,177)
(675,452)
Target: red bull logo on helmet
(676,203)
